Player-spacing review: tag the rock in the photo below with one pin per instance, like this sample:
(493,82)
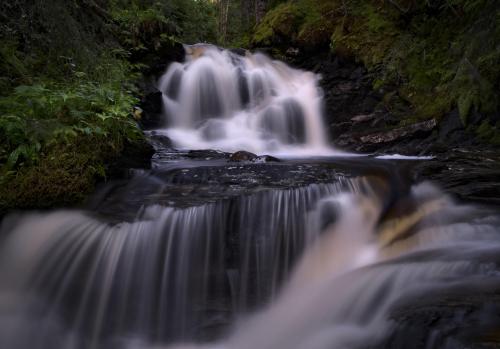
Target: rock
(242,155)
(363,118)
(471,175)
(239,51)
(157,55)
(134,155)
(265,158)
(450,124)
(398,133)
(160,141)
(207,154)
(151,105)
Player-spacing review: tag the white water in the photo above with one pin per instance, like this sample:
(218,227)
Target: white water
(220,100)
(72,281)
(343,290)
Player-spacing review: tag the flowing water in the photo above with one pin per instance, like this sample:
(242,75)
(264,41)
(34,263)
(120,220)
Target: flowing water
(306,254)
(222,100)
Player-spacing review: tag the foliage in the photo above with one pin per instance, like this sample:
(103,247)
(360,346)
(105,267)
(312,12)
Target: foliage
(67,92)
(147,23)
(36,116)
(307,22)
(197,21)
(433,55)
(282,21)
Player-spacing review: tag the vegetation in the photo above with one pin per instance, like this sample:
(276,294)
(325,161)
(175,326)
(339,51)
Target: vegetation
(67,88)
(68,70)
(433,55)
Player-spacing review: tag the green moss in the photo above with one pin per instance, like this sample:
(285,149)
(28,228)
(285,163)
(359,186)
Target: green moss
(488,133)
(307,23)
(64,175)
(431,56)
(281,22)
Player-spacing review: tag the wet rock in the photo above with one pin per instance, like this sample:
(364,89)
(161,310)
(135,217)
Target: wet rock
(207,154)
(242,155)
(450,124)
(135,155)
(160,141)
(156,55)
(471,175)
(265,158)
(398,133)
(151,116)
(238,51)
(363,118)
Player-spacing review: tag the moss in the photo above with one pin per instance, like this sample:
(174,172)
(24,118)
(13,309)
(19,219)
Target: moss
(306,23)
(281,22)
(429,57)
(488,133)
(65,174)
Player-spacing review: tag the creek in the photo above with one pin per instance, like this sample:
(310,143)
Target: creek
(309,248)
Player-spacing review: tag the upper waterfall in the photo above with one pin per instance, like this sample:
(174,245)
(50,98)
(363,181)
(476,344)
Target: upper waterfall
(221,100)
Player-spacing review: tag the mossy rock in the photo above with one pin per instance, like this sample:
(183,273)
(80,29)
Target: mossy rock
(279,25)
(67,173)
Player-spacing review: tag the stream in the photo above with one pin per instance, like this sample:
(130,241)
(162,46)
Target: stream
(298,246)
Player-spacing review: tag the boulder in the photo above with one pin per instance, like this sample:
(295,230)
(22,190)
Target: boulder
(242,155)
(398,133)
(265,158)
(151,115)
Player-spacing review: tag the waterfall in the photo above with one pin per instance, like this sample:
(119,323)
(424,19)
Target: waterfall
(204,252)
(347,287)
(221,100)
(172,274)
(316,260)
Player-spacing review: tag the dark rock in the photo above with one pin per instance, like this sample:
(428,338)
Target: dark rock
(363,118)
(134,156)
(238,51)
(398,133)
(242,155)
(265,158)
(207,154)
(160,141)
(450,124)
(151,105)
(471,175)
(156,56)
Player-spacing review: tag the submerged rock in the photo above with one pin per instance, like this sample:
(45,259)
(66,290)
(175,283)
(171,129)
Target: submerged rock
(242,155)
(207,154)
(266,158)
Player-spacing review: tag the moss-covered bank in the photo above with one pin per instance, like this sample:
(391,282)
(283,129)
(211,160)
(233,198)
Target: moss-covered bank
(69,74)
(426,57)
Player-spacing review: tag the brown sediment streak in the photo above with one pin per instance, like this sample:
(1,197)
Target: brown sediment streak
(402,227)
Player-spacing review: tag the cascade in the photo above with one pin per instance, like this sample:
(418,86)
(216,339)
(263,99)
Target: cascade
(203,252)
(220,100)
